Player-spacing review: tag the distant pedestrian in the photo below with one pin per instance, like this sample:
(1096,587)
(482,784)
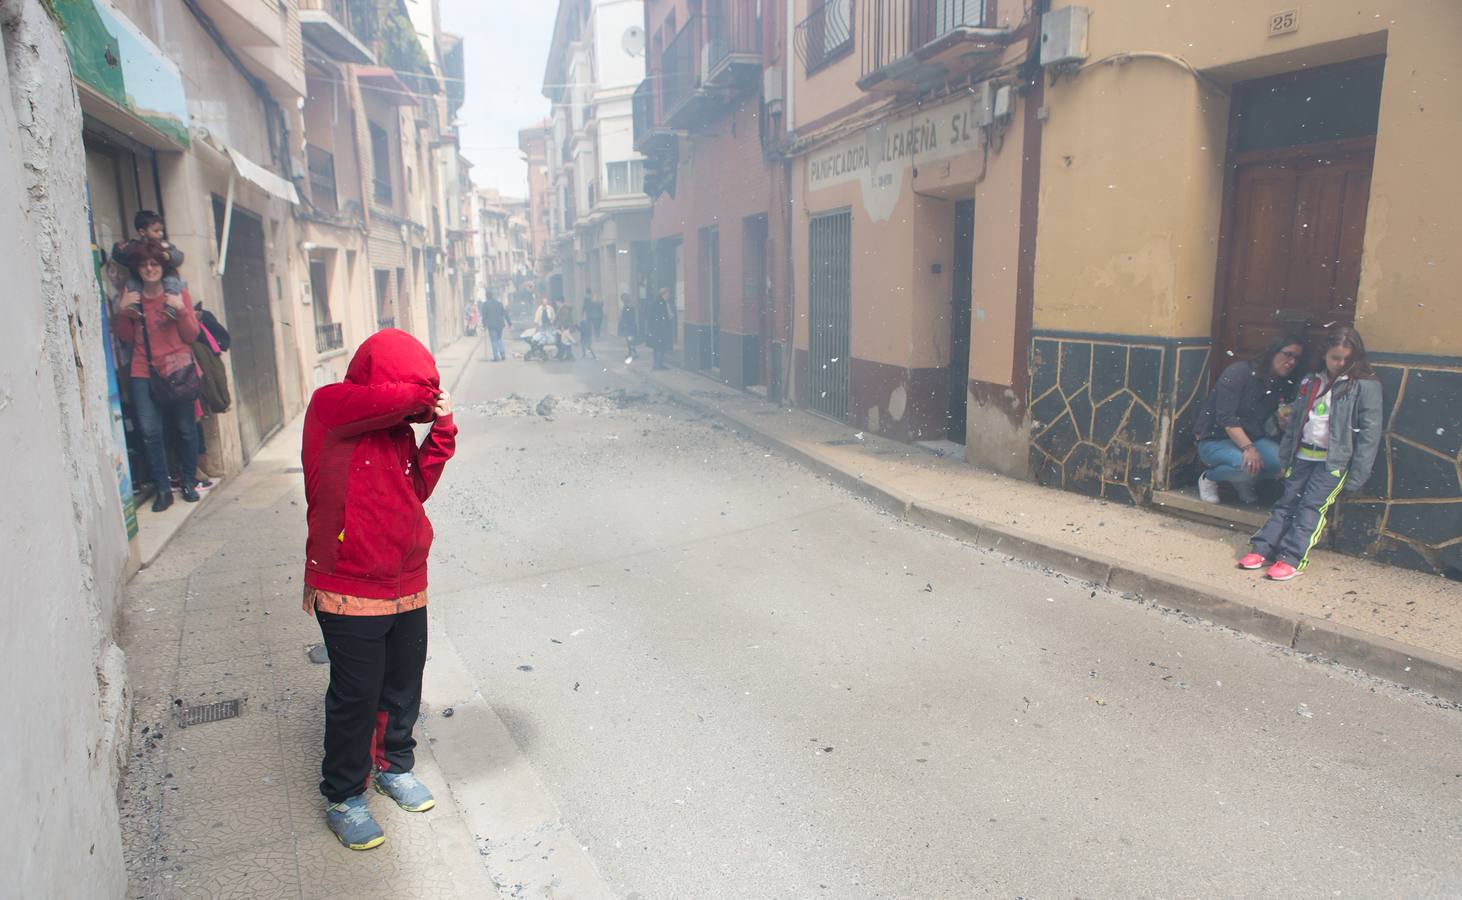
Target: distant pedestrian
(594,312)
(1330,445)
(564,327)
(586,338)
(495,318)
(1242,418)
(366,569)
(660,324)
(629,328)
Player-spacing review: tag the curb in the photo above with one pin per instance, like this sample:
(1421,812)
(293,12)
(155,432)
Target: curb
(1413,667)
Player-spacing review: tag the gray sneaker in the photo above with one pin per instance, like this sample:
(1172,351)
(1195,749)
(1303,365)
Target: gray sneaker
(352,822)
(406,789)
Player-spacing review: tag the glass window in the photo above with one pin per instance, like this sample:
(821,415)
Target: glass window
(1311,108)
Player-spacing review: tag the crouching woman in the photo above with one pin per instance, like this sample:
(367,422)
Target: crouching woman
(1329,447)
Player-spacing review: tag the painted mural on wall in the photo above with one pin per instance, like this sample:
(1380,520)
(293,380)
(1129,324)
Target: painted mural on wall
(116,60)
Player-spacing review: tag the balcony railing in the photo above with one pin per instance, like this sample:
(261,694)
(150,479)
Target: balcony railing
(680,69)
(322,179)
(903,42)
(383,324)
(643,111)
(382,188)
(329,336)
(826,36)
(733,44)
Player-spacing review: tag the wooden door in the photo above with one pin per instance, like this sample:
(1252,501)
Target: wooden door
(1293,244)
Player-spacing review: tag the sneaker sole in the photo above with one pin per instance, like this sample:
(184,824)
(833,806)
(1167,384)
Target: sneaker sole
(1249,568)
(422,808)
(1285,578)
(368,845)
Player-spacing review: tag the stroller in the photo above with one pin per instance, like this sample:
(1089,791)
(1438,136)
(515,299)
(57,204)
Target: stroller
(540,343)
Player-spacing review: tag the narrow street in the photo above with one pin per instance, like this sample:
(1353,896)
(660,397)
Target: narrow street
(735,680)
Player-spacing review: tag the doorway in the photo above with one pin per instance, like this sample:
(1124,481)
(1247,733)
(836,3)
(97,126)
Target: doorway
(710,290)
(1298,193)
(960,314)
(251,327)
(756,295)
(830,312)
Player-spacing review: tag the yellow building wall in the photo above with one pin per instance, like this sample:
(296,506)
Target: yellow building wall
(1133,165)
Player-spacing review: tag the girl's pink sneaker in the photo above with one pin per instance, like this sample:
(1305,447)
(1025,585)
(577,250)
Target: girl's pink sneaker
(1252,561)
(1281,571)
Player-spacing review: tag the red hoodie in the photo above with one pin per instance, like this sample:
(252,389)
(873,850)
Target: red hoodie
(365,477)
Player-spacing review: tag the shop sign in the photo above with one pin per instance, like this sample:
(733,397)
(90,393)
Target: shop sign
(879,157)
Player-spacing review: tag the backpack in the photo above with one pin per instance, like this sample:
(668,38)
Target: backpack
(215,395)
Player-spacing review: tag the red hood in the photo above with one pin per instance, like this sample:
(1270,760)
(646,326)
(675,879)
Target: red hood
(393,356)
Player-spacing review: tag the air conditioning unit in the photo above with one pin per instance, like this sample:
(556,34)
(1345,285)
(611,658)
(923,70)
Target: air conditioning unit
(1063,36)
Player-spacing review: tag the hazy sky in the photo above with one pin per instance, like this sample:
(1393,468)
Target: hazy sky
(506,51)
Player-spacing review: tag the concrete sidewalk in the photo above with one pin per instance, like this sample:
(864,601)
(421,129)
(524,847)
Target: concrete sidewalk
(230,808)
(1394,623)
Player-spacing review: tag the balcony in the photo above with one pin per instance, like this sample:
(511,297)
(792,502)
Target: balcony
(329,25)
(383,324)
(911,45)
(322,180)
(648,133)
(825,36)
(732,53)
(329,336)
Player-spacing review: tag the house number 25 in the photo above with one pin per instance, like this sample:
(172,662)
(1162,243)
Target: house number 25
(1284,22)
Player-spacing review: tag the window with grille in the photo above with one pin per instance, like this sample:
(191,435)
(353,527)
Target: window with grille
(626,177)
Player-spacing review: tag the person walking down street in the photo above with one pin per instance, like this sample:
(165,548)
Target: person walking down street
(1242,417)
(594,313)
(629,328)
(586,337)
(366,569)
(660,321)
(495,319)
(1329,446)
(160,329)
(564,325)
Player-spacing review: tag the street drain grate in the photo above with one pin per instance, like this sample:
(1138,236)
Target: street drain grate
(842,442)
(210,712)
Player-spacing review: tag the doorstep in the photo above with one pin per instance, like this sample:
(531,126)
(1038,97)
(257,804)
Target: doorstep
(1186,505)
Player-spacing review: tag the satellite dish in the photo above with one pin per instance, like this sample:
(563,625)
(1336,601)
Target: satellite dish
(634,41)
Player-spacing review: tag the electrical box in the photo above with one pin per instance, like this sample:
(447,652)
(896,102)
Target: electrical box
(984,104)
(772,87)
(1063,36)
(1003,102)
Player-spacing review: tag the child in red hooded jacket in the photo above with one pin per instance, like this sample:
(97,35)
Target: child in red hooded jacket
(365,573)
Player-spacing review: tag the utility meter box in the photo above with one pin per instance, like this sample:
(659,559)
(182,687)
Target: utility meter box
(985,104)
(1063,36)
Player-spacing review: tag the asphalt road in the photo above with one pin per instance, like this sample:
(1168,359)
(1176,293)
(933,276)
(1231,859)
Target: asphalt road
(734,679)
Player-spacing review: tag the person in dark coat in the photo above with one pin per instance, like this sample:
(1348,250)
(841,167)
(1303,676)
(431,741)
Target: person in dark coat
(495,319)
(629,327)
(660,321)
(1240,421)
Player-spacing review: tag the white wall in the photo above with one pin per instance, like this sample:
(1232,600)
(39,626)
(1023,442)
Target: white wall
(62,678)
(616,69)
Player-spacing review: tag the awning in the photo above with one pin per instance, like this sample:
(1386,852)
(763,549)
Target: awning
(261,177)
(387,83)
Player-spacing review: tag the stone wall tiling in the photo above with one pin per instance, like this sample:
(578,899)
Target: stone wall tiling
(1410,512)
(1098,404)
(1112,417)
